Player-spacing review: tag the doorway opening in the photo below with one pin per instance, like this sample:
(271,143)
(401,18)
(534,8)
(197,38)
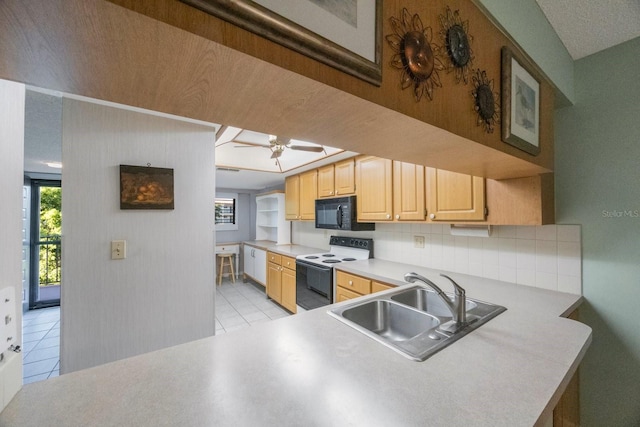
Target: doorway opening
(46,244)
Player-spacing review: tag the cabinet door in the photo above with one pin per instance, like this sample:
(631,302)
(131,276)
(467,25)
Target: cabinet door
(374,192)
(453,196)
(260,266)
(288,282)
(292,197)
(408,192)
(247,260)
(274,285)
(343,294)
(379,287)
(308,194)
(325,182)
(354,283)
(345,177)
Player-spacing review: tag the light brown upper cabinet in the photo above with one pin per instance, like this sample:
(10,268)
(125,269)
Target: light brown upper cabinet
(308,194)
(408,192)
(337,179)
(300,192)
(454,196)
(292,197)
(374,189)
(345,177)
(326,181)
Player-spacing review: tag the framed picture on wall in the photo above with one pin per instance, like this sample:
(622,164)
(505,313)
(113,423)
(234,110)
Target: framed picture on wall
(344,34)
(144,187)
(520,104)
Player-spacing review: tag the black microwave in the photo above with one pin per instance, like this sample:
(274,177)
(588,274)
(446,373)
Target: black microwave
(339,213)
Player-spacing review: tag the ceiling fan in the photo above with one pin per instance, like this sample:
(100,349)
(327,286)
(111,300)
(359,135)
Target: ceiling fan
(277,146)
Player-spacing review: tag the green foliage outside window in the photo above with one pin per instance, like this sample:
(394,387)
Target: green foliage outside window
(50,234)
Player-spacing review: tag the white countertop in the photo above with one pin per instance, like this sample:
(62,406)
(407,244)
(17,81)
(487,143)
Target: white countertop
(288,250)
(311,369)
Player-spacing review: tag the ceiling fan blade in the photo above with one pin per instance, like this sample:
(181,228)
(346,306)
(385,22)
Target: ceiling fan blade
(276,154)
(249,144)
(305,148)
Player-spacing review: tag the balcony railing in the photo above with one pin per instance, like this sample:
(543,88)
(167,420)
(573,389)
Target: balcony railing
(50,256)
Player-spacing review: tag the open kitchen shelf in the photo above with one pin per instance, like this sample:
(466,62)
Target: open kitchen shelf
(270,222)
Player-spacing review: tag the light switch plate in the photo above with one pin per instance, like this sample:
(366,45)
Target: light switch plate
(418,242)
(118,249)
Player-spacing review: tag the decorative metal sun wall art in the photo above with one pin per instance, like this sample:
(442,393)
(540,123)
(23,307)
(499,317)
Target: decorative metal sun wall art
(485,103)
(455,33)
(415,55)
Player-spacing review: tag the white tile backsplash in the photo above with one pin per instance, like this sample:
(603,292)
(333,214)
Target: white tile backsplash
(547,256)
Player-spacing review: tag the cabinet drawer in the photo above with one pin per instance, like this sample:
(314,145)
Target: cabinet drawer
(274,258)
(343,294)
(353,283)
(288,262)
(379,286)
(230,249)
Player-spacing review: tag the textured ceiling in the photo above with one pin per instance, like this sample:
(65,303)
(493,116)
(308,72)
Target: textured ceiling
(589,26)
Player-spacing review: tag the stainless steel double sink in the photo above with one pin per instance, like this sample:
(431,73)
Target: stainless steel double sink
(408,320)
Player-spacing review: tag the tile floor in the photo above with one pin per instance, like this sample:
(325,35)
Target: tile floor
(241,304)
(40,344)
(238,306)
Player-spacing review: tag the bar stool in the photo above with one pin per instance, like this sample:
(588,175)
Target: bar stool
(229,262)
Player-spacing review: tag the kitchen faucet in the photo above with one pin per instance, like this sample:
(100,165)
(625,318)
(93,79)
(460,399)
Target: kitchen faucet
(458,306)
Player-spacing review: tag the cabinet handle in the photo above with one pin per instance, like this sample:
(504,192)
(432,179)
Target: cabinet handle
(397,216)
(350,282)
(388,216)
(432,216)
(331,192)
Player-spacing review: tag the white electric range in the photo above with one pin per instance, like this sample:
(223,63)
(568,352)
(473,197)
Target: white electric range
(314,272)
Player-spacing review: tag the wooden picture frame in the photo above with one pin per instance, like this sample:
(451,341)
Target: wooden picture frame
(330,41)
(144,187)
(520,104)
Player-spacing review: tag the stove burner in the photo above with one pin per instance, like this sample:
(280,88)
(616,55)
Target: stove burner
(311,257)
(331,261)
(348,259)
(328,255)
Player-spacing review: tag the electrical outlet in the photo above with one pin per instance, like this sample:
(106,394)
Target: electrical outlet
(118,249)
(418,242)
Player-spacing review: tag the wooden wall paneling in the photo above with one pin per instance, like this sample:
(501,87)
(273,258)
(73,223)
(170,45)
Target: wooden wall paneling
(448,110)
(175,59)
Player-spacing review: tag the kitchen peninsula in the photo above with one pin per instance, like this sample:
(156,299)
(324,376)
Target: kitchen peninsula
(312,369)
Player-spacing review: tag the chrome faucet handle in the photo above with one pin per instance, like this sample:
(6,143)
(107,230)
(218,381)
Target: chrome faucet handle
(458,289)
(460,300)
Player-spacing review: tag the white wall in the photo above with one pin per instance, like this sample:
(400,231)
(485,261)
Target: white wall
(547,257)
(12,97)
(527,25)
(246,228)
(163,293)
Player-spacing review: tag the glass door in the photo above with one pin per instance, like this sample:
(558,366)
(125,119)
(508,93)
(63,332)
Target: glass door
(46,254)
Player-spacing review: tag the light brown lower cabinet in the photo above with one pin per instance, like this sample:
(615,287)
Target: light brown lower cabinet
(567,411)
(379,287)
(281,280)
(349,286)
(288,281)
